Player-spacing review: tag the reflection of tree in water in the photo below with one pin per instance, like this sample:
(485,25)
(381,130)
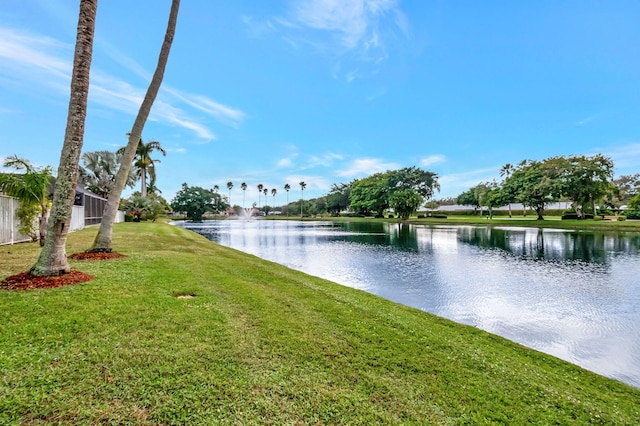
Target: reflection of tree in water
(402,236)
(589,247)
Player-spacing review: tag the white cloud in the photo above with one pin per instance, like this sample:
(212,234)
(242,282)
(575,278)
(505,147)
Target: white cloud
(366,167)
(24,53)
(33,62)
(624,156)
(324,160)
(357,30)
(284,162)
(432,159)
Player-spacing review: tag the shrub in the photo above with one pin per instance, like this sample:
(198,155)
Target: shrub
(633,214)
(622,218)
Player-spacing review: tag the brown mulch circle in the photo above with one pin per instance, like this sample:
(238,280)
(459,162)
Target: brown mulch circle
(26,281)
(96,256)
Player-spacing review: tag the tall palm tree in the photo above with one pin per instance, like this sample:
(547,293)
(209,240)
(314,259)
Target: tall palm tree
(243,185)
(287,187)
(31,188)
(216,188)
(229,186)
(302,187)
(103,240)
(260,186)
(274,192)
(53,256)
(506,170)
(144,164)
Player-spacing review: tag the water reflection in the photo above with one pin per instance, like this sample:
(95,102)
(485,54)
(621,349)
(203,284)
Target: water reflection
(571,294)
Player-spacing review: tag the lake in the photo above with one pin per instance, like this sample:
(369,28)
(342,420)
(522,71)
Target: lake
(572,294)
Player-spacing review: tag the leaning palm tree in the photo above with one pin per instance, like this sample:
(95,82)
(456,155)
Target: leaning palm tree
(506,170)
(53,257)
(287,187)
(30,188)
(260,186)
(103,240)
(243,185)
(144,164)
(302,187)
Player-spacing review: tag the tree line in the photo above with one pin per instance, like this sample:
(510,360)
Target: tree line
(585,181)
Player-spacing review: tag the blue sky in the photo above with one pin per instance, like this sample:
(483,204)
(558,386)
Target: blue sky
(326,91)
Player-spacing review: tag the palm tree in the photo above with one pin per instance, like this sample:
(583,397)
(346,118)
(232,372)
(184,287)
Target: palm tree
(506,170)
(30,188)
(98,173)
(260,186)
(265,191)
(229,186)
(302,187)
(243,185)
(287,187)
(53,256)
(216,188)
(144,164)
(274,192)
(103,240)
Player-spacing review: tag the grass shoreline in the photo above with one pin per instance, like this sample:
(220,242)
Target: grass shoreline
(261,344)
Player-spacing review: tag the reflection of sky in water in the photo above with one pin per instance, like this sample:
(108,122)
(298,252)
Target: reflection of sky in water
(574,295)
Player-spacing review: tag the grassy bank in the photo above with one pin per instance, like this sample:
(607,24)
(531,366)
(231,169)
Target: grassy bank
(261,344)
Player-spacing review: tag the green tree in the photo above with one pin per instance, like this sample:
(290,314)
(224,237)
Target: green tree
(32,189)
(243,186)
(103,240)
(338,198)
(370,195)
(144,164)
(53,256)
(194,201)
(229,187)
(535,184)
(303,185)
(505,171)
(260,187)
(469,198)
(287,187)
(586,180)
(273,193)
(405,202)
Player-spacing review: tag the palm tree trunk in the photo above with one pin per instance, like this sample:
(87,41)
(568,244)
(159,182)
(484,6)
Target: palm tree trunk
(53,257)
(143,183)
(103,241)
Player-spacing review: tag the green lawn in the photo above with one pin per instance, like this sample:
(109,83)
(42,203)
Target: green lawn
(261,344)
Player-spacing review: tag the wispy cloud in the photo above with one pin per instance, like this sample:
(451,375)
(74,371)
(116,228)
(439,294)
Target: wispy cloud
(41,63)
(356,30)
(365,167)
(24,52)
(625,157)
(432,159)
(586,120)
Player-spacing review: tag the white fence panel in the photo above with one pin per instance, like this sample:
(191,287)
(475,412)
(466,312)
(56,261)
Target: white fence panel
(119,216)
(77,218)
(9,223)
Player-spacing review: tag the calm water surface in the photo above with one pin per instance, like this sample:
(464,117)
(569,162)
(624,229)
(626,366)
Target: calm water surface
(575,295)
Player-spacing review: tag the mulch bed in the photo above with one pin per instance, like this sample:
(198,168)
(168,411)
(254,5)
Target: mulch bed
(96,256)
(26,281)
